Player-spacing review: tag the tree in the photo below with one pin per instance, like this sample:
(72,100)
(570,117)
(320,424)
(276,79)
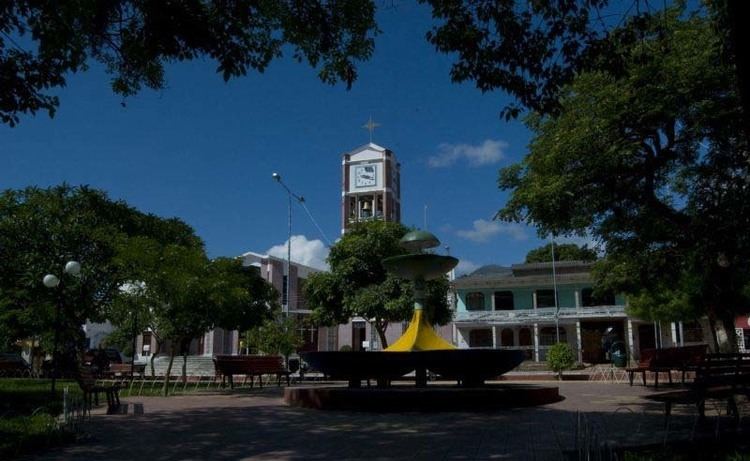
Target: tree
(42,42)
(41,229)
(655,168)
(563,252)
(560,357)
(534,50)
(278,335)
(187,295)
(359,285)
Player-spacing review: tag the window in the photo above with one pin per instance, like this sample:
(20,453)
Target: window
(524,337)
(480,338)
(146,346)
(506,337)
(545,298)
(588,299)
(284,282)
(547,336)
(301,300)
(692,332)
(504,301)
(475,301)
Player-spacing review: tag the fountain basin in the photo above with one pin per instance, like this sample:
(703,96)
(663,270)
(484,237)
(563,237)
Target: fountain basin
(469,366)
(433,398)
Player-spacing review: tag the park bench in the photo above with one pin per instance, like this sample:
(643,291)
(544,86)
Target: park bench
(250,366)
(86,377)
(683,359)
(718,376)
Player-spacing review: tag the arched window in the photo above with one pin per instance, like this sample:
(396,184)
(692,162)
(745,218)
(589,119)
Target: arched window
(480,338)
(475,301)
(506,337)
(547,336)
(524,337)
(504,301)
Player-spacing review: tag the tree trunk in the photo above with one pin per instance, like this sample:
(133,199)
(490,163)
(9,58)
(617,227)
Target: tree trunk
(712,330)
(165,389)
(184,365)
(381,327)
(153,356)
(729,328)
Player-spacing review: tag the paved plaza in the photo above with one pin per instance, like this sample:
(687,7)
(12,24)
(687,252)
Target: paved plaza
(256,424)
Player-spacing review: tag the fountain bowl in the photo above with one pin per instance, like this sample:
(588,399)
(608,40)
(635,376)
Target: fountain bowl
(471,367)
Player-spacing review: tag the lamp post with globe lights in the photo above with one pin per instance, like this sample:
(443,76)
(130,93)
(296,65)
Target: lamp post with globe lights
(52,281)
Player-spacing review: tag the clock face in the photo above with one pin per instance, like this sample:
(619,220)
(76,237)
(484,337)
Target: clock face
(365,176)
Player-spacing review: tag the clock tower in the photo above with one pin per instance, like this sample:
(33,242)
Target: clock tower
(371,186)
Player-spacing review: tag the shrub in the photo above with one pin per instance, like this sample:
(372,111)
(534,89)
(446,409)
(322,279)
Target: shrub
(560,357)
(345,348)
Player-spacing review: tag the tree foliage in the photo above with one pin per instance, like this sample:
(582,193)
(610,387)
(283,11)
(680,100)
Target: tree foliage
(560,357)
(563,252)
(652,162)
(42,42)
(42,229)
(534,50)
(359,285)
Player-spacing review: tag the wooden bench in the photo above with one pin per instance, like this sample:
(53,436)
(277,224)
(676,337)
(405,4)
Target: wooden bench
(718,376)
(124,370)
(250,366)
(683,359)
(87,380)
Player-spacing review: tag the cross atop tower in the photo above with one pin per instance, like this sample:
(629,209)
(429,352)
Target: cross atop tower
(370,126)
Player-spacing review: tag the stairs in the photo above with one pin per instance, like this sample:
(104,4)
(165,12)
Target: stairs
(197,365)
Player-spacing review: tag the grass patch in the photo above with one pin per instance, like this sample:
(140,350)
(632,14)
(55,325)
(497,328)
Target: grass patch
(26,434)
(29,415)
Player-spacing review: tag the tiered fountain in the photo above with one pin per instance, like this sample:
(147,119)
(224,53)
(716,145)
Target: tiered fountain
(419,349)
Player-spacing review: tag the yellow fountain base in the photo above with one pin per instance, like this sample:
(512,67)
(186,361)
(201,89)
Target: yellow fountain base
(420,336)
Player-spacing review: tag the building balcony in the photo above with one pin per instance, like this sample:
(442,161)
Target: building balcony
(546,314)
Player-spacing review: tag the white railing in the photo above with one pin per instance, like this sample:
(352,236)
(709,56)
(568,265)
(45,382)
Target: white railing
(538,315)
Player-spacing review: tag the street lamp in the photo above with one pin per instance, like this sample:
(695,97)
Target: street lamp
(52,281)
(301,200)
(554,288)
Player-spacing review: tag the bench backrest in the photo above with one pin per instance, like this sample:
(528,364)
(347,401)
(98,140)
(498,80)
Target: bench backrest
(675,357)
(724,370)
(86,378)
(248,364)
(647,356)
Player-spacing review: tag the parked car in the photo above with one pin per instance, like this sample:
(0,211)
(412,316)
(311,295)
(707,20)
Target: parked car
(13,365)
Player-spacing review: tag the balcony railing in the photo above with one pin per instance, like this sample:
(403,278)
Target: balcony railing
(539,315)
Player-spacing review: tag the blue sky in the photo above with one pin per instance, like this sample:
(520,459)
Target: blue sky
(204,150)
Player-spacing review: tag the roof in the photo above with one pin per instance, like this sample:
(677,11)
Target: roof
(258,257)
(526,274)
(368,146)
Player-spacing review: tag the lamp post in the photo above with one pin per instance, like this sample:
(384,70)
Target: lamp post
(554,288)
(52,281)
(299,199)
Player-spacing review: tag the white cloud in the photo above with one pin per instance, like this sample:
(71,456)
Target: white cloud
(490,151)
(483,230)
(311,253)
(465,267)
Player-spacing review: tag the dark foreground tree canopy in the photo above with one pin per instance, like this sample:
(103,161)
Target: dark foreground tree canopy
(652,161)
(359,285)
(41,43)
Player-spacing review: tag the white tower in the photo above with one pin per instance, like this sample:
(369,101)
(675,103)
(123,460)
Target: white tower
(371,186)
